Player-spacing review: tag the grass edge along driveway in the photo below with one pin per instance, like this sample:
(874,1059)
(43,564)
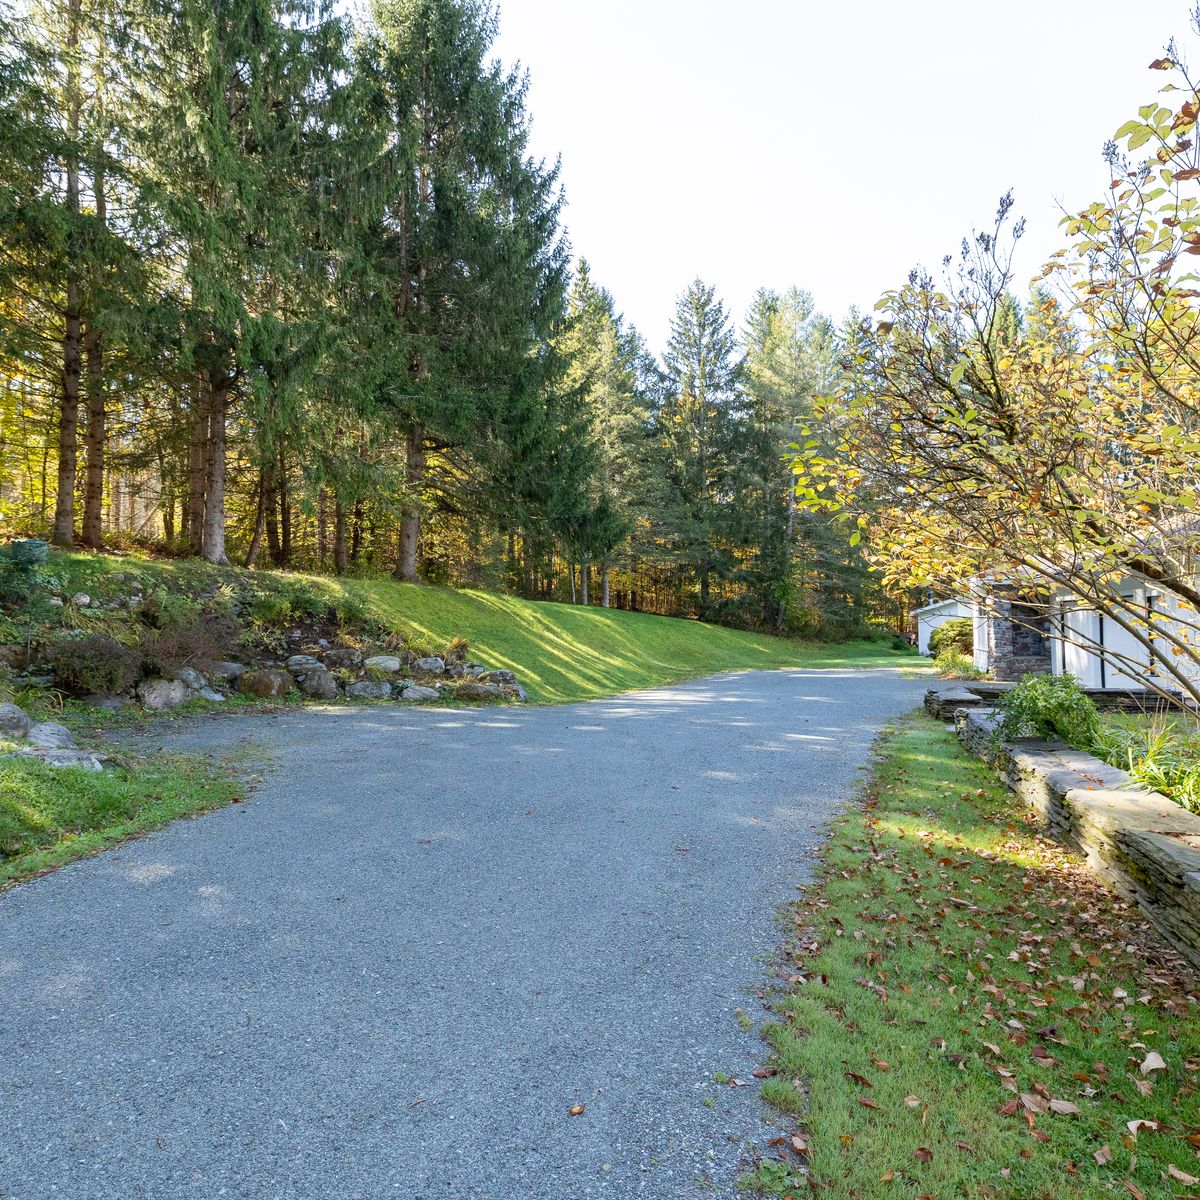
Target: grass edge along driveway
(966,1011)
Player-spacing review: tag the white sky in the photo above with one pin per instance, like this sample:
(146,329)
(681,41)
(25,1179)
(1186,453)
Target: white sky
(831,145)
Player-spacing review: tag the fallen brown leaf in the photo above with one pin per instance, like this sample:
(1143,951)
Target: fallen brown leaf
(577,1110)
(1153,1062)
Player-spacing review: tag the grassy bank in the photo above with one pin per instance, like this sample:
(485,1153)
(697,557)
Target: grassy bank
(560,652)
(50,816)
(971,1014)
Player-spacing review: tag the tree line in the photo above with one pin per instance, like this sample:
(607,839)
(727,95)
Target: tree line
(280,288)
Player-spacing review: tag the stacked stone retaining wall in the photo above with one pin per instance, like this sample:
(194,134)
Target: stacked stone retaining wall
(1145,846)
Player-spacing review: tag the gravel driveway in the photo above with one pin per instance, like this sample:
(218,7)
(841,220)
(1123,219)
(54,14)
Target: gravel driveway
(394,970)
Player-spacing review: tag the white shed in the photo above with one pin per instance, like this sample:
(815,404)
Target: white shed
(938,613)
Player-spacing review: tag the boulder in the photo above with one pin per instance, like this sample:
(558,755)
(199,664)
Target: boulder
(366,690)
(159,694)
(48,736)
(227,672)
(211,694)
(474,670)
(192,678)
(474,690)
(266,684)
(503,677)
(519,693)
(81,600)
(298,664)
(320,684)
(71,758)
(430,666)
(14,723)
(417,692)
(384,662)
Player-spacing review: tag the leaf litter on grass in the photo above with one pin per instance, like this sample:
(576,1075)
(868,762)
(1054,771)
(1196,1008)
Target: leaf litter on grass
(965,1010)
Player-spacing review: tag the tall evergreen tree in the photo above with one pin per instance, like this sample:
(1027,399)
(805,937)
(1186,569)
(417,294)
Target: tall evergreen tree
(469,246)
(227,172)
(701,424)
(789,361)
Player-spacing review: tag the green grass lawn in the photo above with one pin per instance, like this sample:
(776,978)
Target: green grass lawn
(970,1014)
(49,816)
(560,652)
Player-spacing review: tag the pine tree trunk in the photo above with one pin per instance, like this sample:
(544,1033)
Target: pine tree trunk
(322,526)
(214,483)
(197,471)
(356,532)
(571,568)
(410,522)
(606,590)
(93,496)
(68,416)
(585,571)
(340,561)
(781,614)
(271,511)
(285,515)
(68,423)
(260,514)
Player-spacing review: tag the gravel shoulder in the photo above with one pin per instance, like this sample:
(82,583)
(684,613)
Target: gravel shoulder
(428,934)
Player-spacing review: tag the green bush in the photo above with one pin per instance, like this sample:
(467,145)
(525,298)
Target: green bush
(1051,706)
(267,608)
(22,564)
(171,609)
(95,663)
(957,634)
(950,664)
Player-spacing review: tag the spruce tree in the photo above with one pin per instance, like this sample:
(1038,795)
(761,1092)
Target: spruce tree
(701,426)
(789,361)
(469,247)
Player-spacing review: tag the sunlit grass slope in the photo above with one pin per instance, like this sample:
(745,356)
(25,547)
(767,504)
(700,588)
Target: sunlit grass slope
(559,651)
(567,652)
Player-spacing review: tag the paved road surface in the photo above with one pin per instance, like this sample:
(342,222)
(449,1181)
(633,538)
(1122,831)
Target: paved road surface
(428,934)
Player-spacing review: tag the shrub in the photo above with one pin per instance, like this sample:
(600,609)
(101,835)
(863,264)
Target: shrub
(952,665)
(171,609)
(1051,706)
(95,663)
(203,641)
(267,608)
(21,565)
(957,634)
